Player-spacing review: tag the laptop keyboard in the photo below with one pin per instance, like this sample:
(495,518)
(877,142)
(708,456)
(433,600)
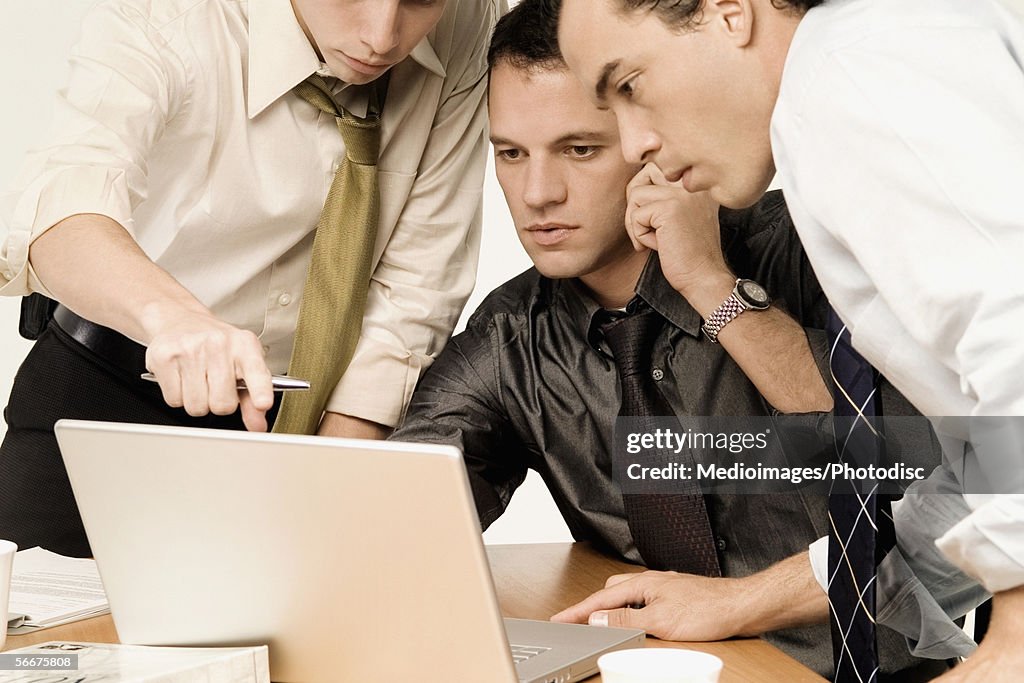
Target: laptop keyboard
(520,653)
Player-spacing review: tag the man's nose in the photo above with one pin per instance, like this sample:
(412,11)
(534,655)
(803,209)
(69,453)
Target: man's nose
(544,185)
(639,142)
(381,30)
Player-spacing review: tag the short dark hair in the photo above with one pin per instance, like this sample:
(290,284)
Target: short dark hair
(683,14)
(527,37)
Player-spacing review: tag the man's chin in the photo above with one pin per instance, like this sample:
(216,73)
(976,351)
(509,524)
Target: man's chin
(737,198)
(343,73)
(557,271)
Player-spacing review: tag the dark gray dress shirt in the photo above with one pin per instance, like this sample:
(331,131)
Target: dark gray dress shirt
(528,385)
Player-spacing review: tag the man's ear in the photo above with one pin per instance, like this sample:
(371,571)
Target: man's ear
(733,19)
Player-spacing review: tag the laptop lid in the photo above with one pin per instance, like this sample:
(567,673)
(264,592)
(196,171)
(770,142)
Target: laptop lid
(353,560)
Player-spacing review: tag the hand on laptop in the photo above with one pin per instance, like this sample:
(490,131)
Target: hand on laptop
(674,606)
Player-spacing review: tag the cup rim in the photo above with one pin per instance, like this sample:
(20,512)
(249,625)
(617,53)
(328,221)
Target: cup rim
(704,662)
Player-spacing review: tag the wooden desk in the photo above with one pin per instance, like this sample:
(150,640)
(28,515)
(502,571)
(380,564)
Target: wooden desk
(533,582)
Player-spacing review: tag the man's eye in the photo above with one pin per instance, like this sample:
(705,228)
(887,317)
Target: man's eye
(582,151)
(508,154)
(628,88)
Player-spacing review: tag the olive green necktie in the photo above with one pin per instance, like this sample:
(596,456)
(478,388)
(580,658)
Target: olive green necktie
(334,297)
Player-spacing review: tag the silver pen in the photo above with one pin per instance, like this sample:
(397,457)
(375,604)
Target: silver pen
(280,382)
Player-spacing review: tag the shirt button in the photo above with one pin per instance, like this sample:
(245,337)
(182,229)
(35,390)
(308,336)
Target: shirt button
(335,167)
(266,349)
(721,544)
(657,374)
(284,299)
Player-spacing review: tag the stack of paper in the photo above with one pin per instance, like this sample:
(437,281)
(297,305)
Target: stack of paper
(136,664)
(49,589)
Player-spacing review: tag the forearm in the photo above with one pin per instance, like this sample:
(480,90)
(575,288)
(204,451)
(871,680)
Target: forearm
(783,596)
(92,265)
(769,346)
(336,424)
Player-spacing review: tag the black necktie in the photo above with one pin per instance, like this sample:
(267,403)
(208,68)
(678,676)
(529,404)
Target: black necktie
(860,529)
(671,531)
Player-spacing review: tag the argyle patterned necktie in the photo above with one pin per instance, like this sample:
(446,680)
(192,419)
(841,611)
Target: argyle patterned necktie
(671,531)
(334,296)
(860,519)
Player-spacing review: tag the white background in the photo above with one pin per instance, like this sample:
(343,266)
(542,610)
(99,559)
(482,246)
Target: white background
(34,39)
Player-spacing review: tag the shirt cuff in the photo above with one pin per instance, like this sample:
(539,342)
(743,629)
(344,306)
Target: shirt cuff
(988,543)
(379,382)
(818,555)
(54,197)
(905,606)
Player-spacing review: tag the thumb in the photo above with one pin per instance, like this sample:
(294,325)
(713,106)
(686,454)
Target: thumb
(625,617)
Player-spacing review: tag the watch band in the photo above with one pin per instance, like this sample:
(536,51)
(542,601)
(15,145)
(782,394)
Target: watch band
(746,295)
(722,316)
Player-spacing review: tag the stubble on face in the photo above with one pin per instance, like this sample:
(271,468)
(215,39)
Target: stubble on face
(564,178)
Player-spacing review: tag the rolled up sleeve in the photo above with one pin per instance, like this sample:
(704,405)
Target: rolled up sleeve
(122,89)
(428,269)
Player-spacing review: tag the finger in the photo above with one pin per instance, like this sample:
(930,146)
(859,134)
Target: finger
(251,367)
(165,369)
(657,620)
(638,226)
(625,593)
(616,579)
(220,378)
(646,220)
(255,420)
(624,617)
(657,176)
(635,233)
(629,226)
(643,177)
(195,390)
(650,193)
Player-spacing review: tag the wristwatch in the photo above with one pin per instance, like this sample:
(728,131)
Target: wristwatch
(747,295)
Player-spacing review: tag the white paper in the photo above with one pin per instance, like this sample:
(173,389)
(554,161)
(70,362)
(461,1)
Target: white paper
(51,589)
(103,663)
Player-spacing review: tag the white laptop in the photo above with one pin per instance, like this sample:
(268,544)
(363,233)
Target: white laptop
(353,560)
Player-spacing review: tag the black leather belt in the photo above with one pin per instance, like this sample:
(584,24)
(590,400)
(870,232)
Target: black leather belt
(113,347)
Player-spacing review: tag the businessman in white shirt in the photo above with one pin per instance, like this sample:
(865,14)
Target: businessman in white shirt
(896,131)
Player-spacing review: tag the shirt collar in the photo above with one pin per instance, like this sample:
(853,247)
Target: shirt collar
(652,287)
(280,56)
(583,310)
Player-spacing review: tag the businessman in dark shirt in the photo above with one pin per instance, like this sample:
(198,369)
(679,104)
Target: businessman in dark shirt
(532,384)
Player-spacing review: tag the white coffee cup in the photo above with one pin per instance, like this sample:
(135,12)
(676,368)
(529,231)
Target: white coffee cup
(659,665)
(7,550)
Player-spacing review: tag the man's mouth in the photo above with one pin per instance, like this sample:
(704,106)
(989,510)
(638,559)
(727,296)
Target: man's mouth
(550,234)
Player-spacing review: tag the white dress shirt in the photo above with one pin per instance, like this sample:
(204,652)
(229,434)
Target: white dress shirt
(899,140)
(179,123)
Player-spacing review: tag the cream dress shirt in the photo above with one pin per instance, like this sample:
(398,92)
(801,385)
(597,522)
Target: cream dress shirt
(899,140)
(179,123)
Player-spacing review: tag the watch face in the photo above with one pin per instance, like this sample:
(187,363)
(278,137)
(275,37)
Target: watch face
(753,294)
